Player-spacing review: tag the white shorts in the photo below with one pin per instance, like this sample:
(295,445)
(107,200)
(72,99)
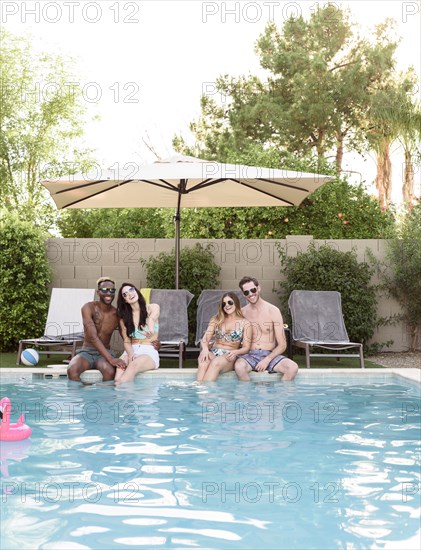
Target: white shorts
(142,349)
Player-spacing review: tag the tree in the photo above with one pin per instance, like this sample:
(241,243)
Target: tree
(213,133)
(40,119)
(321,76)
(409,133)
(394,116)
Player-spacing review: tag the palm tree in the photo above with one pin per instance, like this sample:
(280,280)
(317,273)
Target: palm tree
(394,116)
(382,131)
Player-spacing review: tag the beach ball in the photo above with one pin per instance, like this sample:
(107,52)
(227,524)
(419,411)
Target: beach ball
(29,357)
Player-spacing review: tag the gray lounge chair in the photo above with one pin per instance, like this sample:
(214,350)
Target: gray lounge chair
(64,327)
(173,321)
(317,322)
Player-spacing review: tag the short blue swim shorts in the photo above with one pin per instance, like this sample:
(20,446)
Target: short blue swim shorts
(254,356)
(92,355)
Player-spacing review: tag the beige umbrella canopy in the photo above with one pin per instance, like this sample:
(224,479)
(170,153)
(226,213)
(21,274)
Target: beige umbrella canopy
(183,181)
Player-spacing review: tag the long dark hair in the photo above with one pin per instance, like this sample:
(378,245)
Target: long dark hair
(125,312)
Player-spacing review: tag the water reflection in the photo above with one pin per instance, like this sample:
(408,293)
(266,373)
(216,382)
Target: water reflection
(218,465)
(14,451)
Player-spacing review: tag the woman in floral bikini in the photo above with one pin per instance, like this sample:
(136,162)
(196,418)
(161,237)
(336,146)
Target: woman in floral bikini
(229,335)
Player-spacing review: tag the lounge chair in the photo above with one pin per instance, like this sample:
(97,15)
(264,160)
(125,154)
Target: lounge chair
(173,320)
(207,306)
(64,326)
(317,322)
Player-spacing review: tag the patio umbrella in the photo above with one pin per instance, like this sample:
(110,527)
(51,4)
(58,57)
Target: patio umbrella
(183,181)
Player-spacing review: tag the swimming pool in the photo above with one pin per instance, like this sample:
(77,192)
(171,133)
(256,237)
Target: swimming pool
(171,463)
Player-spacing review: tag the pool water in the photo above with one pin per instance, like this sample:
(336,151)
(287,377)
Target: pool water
(176,464)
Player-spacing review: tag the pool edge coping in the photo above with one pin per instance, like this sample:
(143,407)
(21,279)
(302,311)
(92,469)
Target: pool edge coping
(60,371)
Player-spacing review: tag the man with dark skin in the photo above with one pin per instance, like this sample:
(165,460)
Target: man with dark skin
(99,322)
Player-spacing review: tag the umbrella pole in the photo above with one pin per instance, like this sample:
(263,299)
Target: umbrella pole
(177,249)
(177,218)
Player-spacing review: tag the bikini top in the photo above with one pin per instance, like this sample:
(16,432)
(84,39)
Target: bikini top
(139,333)
(235,335)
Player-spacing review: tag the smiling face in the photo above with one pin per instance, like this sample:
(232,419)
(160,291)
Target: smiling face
(251,292)
(129,294)
(106,292)
(227,304)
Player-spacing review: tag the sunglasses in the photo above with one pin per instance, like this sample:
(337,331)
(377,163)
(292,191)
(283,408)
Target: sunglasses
(106,290)
(124,294)
(252,290)
(227,303)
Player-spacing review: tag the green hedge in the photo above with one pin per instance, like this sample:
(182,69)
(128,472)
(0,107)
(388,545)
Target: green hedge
(403,281)
(330,269)
(25,275)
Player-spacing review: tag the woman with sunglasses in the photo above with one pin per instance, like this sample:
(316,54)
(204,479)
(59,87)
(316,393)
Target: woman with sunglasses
(228,334)
(139,329)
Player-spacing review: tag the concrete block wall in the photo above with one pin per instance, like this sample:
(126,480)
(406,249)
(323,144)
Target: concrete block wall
(78,263)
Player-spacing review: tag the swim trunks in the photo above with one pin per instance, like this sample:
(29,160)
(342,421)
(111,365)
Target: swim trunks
(92,355)
(254,356)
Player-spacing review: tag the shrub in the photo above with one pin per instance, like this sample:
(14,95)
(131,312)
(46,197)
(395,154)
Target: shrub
(198,271)
(25,275)
(329,269)
(119,223)
(404,283)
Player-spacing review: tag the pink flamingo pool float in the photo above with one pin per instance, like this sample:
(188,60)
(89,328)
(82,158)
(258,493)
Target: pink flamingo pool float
(12,432)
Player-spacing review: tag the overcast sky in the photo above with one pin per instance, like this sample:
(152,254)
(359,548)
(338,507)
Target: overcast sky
(143,65)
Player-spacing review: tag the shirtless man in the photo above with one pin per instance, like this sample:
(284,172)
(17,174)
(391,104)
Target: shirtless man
(99,321)
(268,337)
